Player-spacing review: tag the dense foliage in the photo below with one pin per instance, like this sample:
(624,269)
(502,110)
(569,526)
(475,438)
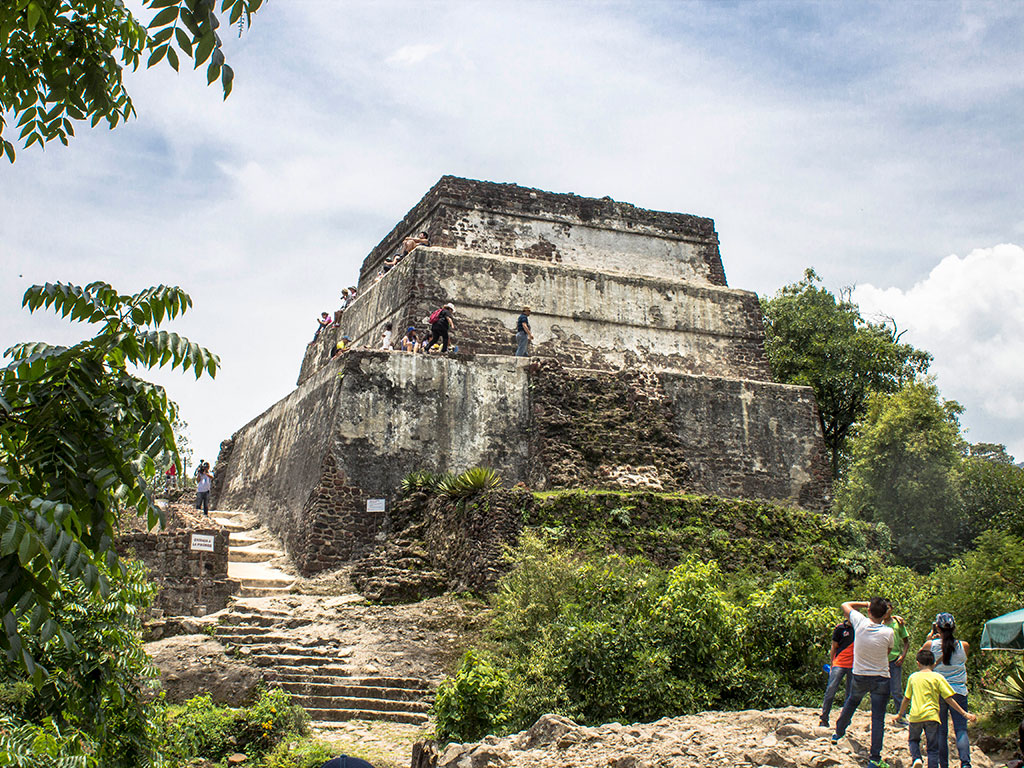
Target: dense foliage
(904,473)
(199,729)
(92,706)
(79,440)
(819,340)
(63,60)
(603,637)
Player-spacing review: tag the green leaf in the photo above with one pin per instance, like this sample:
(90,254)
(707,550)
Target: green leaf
(164,17)
(35,13)
(227,78)
(184,41)
(172,58)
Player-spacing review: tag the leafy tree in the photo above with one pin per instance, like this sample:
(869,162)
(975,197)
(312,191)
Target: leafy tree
(96,687)
(62,60)
(992,488)
(79,437)
(815,339)
(904,465)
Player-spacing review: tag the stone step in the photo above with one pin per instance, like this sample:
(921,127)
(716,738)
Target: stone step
(251,621)
(244,538)
(335,715)
(368,705)
(247,591)
(297,659)
(231,525)
(356,691)
(289,653)
(252,554)
(408,683)
(259,575)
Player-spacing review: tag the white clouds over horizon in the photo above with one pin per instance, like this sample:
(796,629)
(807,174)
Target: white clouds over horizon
(867,140)
(969,313)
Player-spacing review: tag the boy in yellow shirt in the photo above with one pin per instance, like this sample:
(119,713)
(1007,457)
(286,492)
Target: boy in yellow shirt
(925,689)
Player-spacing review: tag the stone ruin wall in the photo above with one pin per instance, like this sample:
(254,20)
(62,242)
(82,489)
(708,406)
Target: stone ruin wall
(183,577)
(647,370)
(359,425)
(582,318)
(507,220)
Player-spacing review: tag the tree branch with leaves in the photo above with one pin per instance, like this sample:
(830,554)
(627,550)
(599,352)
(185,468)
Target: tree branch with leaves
(80,437)
(62,60)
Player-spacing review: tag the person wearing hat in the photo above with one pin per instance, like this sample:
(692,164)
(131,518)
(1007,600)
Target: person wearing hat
(951,663)
(523,334)
(440,327)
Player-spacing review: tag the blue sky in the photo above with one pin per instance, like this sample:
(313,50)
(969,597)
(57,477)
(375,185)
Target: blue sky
(877,142)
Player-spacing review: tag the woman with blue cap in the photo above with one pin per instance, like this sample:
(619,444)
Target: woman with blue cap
(951,663)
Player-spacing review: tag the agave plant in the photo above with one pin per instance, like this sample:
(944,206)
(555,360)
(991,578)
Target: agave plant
(469,482)
(1011,696)
(421,480)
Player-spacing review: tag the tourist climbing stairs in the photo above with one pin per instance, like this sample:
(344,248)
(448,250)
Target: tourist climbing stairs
(319,672)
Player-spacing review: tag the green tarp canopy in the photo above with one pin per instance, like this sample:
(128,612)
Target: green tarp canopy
(1005,633)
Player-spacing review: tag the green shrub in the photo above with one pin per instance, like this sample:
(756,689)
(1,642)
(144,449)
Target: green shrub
(28,745)
(783,631)
(199,729)
(299,753)
(473,703)
(266,722)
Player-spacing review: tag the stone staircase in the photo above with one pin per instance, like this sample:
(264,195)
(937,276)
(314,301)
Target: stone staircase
(311,662)
(255,557)
(318,673)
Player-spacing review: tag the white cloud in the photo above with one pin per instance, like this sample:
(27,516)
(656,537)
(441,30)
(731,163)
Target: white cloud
(815,134)
(412,54)
(969,313)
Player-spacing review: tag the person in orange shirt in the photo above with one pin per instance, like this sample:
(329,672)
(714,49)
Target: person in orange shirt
(841,667)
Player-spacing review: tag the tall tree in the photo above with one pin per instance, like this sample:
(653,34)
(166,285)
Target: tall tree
(62,60)
(815,339)
(992,488)
(79,440)
(904,465)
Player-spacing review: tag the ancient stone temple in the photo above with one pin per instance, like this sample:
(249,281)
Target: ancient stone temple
(647,370)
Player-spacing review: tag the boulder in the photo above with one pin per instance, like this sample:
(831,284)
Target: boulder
(191,665)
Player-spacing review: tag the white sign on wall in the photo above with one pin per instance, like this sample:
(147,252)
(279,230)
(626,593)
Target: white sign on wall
(202,542)
(375,505)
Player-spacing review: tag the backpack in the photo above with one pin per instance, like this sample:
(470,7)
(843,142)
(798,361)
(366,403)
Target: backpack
(437,315)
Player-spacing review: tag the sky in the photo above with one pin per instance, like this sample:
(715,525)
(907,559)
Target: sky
(879,143)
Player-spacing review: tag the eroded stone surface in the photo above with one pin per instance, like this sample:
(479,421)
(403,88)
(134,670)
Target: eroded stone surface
(782,738)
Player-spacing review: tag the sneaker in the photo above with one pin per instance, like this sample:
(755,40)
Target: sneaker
(835,738)
(917,763)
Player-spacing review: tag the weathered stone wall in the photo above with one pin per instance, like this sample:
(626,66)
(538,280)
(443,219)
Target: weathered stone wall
(359,425)
(185,578)
(582,318)
(600,234)
(669,431)
(356,427)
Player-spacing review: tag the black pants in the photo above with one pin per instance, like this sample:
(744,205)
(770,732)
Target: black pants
(438,331)
(203,501)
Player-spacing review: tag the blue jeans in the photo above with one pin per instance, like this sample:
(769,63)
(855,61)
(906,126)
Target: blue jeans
(963,744)
(896,684)
(522,344)
(931,734)
(878,687)
(835,678)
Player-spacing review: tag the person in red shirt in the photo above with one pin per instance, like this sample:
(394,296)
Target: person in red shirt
(842,666)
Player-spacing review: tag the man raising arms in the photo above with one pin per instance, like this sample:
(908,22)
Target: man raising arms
(872,643)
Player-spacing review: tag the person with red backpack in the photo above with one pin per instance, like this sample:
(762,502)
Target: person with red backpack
(441,321)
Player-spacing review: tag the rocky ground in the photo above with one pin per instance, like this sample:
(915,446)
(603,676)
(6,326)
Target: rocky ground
(782,738)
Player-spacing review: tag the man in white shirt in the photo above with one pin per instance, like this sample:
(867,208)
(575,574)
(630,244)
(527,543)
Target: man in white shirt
(872,642)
